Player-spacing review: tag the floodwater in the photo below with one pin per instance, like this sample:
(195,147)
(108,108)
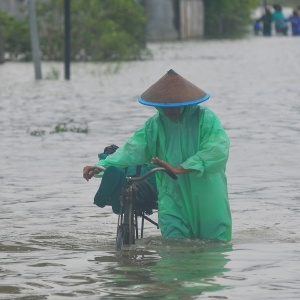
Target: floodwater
(56,244)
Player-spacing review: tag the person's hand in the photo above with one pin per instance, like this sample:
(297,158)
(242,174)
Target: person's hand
(176,170)
(89,172)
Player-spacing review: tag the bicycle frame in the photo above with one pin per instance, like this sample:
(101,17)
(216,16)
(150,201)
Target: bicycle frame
(127,229)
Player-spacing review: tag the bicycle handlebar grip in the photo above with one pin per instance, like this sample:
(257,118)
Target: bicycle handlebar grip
(171,174)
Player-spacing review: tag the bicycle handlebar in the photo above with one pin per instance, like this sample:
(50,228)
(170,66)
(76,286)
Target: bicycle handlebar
(170,173)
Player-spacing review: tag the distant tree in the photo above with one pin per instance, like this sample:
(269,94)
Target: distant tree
(227,18)
(15,37)
(100,29)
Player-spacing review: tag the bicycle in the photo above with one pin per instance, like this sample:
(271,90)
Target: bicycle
(127,228)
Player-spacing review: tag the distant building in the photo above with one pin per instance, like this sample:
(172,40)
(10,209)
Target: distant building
(174,19)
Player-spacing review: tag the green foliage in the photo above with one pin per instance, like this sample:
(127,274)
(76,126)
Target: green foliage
(65,127)
(283,3)
(227,18)
(15,33)
(61,127)
(37,132)
(100,29)
(53,74)
(288,3)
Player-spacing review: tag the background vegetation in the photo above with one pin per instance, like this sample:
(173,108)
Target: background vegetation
(106,30)
(227,18)
(101,30)
(15,37)
(290,3)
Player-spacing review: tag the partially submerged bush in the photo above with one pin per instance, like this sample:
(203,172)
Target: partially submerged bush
(101,30)
(16,38)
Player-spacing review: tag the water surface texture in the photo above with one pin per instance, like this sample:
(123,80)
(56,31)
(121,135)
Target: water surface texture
(55,243)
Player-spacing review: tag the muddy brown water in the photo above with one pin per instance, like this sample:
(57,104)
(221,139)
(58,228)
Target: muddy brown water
(55,244)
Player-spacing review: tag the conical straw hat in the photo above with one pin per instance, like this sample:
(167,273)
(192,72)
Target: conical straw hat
(172,90)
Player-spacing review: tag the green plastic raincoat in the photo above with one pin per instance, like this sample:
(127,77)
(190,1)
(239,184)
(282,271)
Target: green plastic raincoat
(196,205)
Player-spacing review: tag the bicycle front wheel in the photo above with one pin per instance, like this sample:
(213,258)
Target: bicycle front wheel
(120,238)
(126,225)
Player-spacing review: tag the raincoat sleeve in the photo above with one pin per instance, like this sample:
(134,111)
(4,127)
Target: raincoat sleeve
(133,152)
(214,147)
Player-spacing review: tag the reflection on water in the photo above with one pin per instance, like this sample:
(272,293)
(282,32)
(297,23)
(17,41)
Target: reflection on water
(184,269)
(54,243)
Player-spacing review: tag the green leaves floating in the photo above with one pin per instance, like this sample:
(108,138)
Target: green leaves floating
(64,127)
(69,126)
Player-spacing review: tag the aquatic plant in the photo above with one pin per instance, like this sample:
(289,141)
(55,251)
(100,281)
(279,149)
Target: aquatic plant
(66,127)
(37,132)
(52,74)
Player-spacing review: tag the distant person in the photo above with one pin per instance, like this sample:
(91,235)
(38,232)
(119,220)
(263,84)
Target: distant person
(256,27)
(266,21)
(279,20)
(294,19)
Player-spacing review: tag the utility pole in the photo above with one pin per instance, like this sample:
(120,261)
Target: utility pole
(67,38)
(1,45)
(35,48)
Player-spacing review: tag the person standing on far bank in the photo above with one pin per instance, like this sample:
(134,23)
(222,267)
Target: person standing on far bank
(189,140)
(279,20)
(294,19)
(266,21)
